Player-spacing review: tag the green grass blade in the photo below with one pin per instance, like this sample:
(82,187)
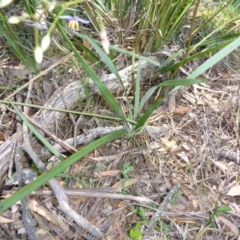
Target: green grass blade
(104,57)
(145,98)
(118,49)
(213,60)
(45,177)
(182,82)
(171,58)
(14,42)
(216,58)
(68,111)
(141,122)
(87,52)
(102,88)
(168,83)
(177,82)
(137,93)
(195,56)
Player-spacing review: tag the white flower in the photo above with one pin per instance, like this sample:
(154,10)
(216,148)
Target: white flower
(38,54)
(14,20)
(104,40)
(51,5)
(18,19)
(4,3)
(45,43)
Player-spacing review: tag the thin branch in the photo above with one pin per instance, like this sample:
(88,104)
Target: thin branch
(229,155)
(62,197)
(162,207)
(26,215)
(90,193)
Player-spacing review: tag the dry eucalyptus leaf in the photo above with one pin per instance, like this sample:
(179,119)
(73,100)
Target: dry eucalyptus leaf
(223,166)
(36,207)
(154,131)
(5,220)
(125,184)
(3,108)
(181,110)
(234,229)
(234,191)
(110,173)
(2,138)
(86,43)
(172,103)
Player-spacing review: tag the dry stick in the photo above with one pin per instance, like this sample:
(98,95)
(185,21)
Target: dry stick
(119,229)
(72,191)
(3,110)
(58,190)
(41,74)
(229,155)
(62,197)
(7,155)
(93,208)
(90,193)
(14,143)
(85,139)
(26,215)
(4,228)
(64,144)
(163,206)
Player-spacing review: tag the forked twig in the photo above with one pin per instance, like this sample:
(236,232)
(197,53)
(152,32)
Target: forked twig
(62,197)
(26,214)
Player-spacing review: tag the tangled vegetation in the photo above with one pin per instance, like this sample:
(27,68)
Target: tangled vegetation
(120,83)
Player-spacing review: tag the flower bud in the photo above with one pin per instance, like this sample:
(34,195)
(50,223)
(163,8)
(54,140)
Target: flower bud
(14,20)
(51,6)
(38,54)
(45,43)
(4,3)
(104,40)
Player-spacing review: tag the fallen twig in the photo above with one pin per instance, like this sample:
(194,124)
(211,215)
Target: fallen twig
(162,207)
(26,214)
(90,193)
(229,155)
(62,197)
